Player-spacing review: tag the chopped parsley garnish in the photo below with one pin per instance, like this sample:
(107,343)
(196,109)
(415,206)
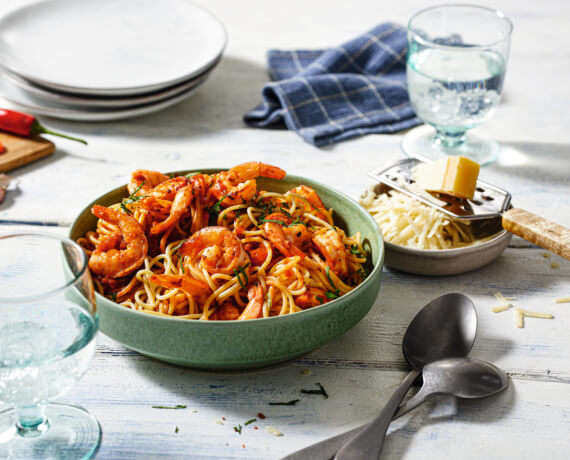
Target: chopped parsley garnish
(237,429)
(176,430)
(320,391)
(125,209)
(114,296)
(320,299)
(182,266)
(177,247)
(288,403)
(178,406)
(250,421)
(263,220)
(354,250)
(336,292)
(239,273)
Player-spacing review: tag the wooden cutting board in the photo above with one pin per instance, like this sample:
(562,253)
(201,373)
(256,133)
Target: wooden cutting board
(22,150)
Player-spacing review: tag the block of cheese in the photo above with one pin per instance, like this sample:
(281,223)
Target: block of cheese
(455,176)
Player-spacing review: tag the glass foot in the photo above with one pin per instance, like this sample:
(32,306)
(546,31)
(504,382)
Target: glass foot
(420,142)
(71,432)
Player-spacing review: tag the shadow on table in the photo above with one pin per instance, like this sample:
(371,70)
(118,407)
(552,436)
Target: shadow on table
(535,161)
(232,89)
(447,410)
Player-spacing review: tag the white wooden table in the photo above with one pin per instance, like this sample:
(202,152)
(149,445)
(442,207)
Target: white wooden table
(361,369)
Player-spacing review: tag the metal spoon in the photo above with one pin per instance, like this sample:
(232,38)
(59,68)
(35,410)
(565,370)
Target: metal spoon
(461,377)
(444,328)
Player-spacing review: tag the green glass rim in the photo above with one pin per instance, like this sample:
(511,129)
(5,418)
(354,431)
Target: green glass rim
(73,277)
(498,13)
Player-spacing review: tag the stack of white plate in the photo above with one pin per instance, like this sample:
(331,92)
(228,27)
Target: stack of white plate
(95,60)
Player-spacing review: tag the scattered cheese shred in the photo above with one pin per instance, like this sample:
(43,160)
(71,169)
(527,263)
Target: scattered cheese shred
(546,255)
(519,318)
(562,300)
(501,298)
(219,422)
(273,431)
(500,308)
(555,265)
(519,314)
(534,314)
(406,221)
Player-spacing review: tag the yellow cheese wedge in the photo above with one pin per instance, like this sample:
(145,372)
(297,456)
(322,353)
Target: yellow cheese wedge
(455,176)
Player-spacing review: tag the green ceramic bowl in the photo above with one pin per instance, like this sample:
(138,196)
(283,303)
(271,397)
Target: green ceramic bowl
(240,345)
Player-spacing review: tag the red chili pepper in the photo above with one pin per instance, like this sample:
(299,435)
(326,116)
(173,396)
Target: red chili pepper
(26,125)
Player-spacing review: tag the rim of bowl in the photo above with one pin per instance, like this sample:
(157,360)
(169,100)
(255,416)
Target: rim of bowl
(289,317)
(499,236)
(432,44)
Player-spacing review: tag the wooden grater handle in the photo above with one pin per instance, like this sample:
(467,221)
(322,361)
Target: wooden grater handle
(538,230)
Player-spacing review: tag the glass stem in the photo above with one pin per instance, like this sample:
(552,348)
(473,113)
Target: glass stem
(449,140)
(32,421)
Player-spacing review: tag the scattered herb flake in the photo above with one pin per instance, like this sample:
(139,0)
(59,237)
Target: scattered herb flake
(250,421)
(320,299)
(336,291)
(176,430)
(331,295)
(237,429)
(114,296)
(189,175)
(178,406)
(320,391)
(125,209)
(288,403)
(239,272)
(177,247)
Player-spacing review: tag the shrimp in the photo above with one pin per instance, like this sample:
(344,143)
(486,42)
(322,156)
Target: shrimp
(111,262)
(168,189)
(312,297)
(313,198)
(180,208)
(219,250)
(275,232)
(225,312)
(144,181)
(254,307)
(330,245)
(238,185)
(196,288)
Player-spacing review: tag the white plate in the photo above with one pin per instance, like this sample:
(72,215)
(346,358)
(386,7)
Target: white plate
(110,47)
(90,102)
(30,104)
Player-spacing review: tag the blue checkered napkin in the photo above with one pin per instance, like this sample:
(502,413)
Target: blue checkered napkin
(330,95)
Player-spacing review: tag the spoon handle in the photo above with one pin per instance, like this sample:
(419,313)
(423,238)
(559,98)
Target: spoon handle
(368,443)
(420,397)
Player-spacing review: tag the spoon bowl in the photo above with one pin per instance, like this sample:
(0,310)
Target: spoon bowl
(460,377)
(445,328)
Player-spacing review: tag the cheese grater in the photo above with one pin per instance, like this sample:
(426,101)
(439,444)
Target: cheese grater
(488,202)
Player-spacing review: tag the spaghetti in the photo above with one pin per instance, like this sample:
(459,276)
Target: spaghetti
(214,247)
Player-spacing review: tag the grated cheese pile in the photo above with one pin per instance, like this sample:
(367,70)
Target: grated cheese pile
(408,222)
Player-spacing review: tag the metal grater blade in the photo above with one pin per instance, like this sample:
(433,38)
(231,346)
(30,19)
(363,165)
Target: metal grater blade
(488,201)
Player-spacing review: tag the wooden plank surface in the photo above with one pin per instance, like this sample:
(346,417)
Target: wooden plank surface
(360,369)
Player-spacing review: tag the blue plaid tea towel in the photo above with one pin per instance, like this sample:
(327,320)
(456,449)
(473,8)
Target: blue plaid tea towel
(343,92)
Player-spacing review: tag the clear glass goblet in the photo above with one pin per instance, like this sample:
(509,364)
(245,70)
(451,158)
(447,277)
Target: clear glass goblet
(48,324)
(456,62)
